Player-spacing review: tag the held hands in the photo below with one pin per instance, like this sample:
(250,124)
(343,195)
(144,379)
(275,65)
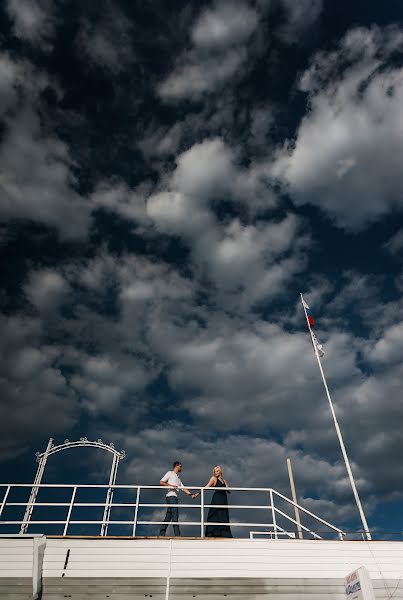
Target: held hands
(193,496)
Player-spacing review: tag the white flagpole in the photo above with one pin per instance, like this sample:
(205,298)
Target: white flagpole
(336,424)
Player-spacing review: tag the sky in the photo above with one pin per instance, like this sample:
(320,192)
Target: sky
(172,176)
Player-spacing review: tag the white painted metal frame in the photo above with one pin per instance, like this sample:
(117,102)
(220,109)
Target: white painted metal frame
(42,458)
(273,526)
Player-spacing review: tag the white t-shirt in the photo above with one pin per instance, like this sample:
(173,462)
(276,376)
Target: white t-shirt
(172,478)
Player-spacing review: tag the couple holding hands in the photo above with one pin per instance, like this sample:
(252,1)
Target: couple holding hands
(215,515)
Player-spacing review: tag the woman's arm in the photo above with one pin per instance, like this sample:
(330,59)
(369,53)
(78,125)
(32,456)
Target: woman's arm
(212,482)
(226,485)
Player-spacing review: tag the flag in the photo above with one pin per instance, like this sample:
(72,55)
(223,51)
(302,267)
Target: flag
(308,311)
(319,347)
(311,321)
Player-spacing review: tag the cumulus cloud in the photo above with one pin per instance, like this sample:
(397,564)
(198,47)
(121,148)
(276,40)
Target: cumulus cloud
(36,167)
(33,20)
(348,149)
(119,199)
(226,24)
(37,181)
(252,260)
(218,53)
(222,37)
(195,77)
(46,290)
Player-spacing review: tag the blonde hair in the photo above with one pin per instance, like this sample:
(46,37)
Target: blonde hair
(219,468)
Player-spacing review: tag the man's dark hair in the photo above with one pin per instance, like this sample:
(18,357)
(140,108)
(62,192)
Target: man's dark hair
(176,463)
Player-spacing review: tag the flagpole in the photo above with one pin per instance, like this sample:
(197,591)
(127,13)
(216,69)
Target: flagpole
(338,431)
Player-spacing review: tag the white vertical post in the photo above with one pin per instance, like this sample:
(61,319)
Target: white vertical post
(73,496)
(109,495)
(338,431)
(3,502)
(202,513)
(294,499)
(169,572)
(136,512)
(273,514)
(35,488)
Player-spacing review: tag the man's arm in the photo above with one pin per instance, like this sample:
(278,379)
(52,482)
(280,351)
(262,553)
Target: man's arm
(187,492)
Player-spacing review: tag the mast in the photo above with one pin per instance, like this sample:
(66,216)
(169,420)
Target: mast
(336,424)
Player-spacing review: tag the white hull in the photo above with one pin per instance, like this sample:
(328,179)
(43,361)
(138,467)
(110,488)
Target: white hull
(123,569)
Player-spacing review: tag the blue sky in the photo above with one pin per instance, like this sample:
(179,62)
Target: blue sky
(171,177)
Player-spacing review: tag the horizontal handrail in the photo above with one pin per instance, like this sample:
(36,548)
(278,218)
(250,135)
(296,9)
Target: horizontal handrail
(135,520)
(308,512)
(130,486)
(280,512)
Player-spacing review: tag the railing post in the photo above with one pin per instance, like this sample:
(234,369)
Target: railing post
(202,513)
(136,512)
(42,458)
(73,496)
(273,514)
(3,502)
(109,496)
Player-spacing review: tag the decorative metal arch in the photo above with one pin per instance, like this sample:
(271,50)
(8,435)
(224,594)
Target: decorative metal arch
(42,457)
(79,443)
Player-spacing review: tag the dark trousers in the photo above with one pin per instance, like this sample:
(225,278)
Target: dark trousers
(171,515)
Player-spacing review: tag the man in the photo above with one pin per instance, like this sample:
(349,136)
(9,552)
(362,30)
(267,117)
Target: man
(172,481)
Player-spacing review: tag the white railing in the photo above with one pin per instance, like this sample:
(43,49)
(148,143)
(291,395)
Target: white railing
(274,499)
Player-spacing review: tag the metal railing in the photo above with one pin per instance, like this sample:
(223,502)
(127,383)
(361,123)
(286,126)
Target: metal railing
(271,508)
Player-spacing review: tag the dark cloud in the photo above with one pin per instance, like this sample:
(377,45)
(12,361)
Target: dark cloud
(104,39)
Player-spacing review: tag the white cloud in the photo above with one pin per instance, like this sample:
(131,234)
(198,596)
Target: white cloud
(46,290)
(36,168)
(218,53)
(247,261)
(37,181)
(348,150)
(226,24)
(389,348)
(118,198)
(197,76)
(33,20)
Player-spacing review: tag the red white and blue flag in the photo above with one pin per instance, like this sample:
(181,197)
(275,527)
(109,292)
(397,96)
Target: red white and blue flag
(308,313)
(311,323)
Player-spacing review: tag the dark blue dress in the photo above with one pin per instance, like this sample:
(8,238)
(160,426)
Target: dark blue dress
(218,515)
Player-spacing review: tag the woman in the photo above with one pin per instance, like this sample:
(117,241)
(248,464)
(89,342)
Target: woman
(218,515)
